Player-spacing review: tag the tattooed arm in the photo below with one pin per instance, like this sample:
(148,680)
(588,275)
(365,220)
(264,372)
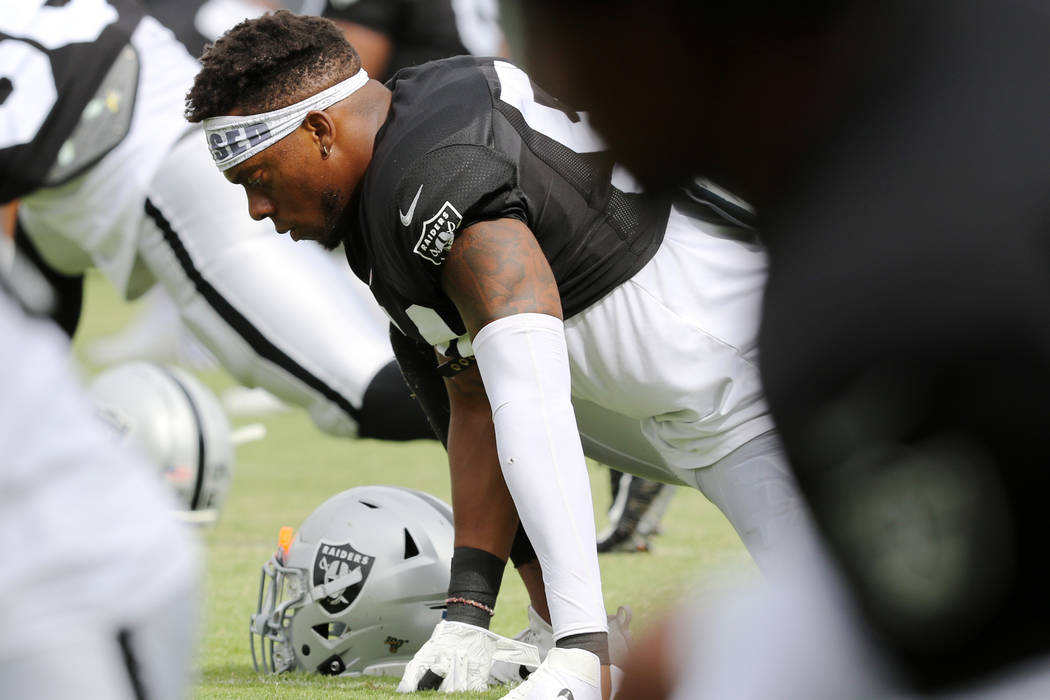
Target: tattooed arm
(514,443)
(495,269)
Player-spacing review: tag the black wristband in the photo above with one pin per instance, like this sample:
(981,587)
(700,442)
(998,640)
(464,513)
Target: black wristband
(476,576)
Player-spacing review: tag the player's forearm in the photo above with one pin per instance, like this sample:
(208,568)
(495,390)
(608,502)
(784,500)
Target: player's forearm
(484,513)
(524,364)
(507,296)
(485,519)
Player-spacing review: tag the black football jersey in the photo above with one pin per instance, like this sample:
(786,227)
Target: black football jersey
(470,140)
(54,60)
(425,30)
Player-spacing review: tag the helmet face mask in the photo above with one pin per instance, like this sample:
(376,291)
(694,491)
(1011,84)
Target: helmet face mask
(361,587)
(280,588)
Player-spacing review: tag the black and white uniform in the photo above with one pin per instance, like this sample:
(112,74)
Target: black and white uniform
(661,307)
(101,586)
(109,174)
(198,23)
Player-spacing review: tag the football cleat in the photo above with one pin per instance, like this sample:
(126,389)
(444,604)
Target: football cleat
(635,515)
(540,634)
(574,674)
(622,540)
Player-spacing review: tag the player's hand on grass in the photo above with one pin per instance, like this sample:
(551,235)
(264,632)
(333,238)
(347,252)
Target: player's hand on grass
(458,657)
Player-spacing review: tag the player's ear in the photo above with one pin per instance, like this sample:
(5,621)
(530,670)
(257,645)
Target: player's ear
(321,128)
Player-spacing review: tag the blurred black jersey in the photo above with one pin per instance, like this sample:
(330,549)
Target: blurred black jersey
(66,89)
(425,30)
(905,339)
(470,140)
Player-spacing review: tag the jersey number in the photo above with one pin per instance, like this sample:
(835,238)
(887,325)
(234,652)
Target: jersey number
(25,70)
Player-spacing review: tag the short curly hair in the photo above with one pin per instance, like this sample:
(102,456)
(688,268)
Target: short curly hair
(269,62)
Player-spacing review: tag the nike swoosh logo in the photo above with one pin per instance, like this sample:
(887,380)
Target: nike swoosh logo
(406,219)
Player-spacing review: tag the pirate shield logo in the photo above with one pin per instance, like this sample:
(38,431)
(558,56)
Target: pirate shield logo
(438,233)
(341,570)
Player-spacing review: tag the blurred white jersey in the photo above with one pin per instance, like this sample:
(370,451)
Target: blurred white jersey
(154,208)
(800,637)
(101,212)
(90,549)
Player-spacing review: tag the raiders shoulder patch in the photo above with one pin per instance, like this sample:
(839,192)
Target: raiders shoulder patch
(438,233)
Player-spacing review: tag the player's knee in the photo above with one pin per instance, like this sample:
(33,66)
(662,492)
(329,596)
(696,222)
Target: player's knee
(389,411)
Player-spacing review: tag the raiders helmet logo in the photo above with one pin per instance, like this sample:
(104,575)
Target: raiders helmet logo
(340,571)
(438,233)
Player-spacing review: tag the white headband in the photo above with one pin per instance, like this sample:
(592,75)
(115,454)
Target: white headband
(233,140)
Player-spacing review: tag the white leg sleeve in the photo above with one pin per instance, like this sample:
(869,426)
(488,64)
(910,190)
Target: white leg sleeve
(524,365)
(756,490)
(275,313)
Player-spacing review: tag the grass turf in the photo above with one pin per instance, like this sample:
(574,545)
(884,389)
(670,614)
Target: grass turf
(280,479)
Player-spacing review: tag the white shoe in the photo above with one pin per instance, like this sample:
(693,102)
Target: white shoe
(157,334)
(540,635)
(573,674)
(251,401)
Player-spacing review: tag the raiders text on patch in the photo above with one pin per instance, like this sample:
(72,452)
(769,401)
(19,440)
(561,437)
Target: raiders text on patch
(340,561)
(438,232)
(230,143)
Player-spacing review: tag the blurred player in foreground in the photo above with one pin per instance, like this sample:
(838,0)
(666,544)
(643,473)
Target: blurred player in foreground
(109,175)
(897,156)
(481,212)
(100,584)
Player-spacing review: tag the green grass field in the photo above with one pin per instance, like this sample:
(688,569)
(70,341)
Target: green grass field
(282,478)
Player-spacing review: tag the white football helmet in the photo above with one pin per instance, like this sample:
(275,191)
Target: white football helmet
(360,587)
(177,424)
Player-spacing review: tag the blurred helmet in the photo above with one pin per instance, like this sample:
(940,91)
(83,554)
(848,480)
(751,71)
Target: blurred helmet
(360,586)
(177,424)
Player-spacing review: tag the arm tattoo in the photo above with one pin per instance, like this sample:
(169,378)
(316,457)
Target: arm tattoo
(497,269)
